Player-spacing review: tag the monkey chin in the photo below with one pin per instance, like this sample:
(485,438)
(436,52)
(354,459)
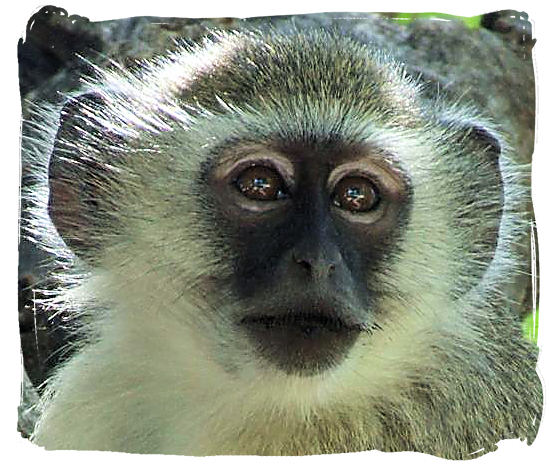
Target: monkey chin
(302,344)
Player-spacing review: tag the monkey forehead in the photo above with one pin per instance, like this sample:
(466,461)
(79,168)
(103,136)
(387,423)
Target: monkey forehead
(334,150)
(336,156)
(306,86)
(262,71)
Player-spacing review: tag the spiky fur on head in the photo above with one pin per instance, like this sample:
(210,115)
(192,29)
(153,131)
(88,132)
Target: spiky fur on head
(163,370)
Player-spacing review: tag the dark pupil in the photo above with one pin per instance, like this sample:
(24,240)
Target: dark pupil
(260,183)
(355,194)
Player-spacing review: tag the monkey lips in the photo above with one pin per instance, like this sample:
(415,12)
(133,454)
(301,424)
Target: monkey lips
(302,343)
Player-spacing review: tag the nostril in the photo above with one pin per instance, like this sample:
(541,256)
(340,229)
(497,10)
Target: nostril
(318,268)
(303,263)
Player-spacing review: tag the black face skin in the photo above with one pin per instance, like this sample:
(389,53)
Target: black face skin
(309,226)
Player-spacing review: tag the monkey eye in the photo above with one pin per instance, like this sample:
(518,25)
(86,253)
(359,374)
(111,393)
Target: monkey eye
(261,183)
(355,194)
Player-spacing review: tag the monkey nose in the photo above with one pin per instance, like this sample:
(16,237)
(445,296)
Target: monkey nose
(318,267)
(315,267)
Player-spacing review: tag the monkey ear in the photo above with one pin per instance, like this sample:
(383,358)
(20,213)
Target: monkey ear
(488,140)
(77,173)
(478,135)
(480,147)
(484,145)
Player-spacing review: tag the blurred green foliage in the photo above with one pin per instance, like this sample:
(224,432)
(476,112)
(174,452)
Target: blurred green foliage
(473,22)
(531,326)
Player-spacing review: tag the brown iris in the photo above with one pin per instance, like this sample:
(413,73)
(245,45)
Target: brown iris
(355,194)
(261,183)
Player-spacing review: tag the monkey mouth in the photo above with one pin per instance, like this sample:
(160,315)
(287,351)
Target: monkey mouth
(302,343)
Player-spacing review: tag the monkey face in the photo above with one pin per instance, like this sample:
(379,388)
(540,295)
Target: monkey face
(283,246)
(299,223)
(310,225)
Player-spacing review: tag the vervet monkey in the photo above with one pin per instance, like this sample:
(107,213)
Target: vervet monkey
(282,244)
